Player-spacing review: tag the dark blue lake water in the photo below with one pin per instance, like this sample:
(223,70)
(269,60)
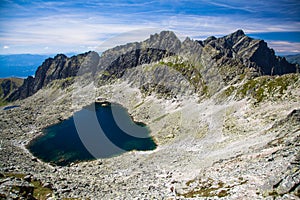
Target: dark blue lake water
(113,134)
(10,107)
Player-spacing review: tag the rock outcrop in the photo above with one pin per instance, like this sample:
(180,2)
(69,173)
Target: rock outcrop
(59,67)
(8,86)
(251,52)
(166,41)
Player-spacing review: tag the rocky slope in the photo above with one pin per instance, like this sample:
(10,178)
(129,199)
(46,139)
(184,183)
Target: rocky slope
(59,67)
(252,53)
(224,130)
(8,86)
(295,59)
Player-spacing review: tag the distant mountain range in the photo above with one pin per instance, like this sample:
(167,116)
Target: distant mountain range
(293,58)
(21,65)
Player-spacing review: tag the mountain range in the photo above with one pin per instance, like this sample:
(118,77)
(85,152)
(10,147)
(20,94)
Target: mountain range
(295,59)
(20,65)
(223,112)
(223,58)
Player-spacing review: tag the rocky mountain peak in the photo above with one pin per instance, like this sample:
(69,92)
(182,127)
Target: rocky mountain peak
(249,52)
(234,38)
(60,56)
(237,34)
(208,40)
(165,40)
(163,35)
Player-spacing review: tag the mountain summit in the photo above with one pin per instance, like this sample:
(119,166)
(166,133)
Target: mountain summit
(214,58)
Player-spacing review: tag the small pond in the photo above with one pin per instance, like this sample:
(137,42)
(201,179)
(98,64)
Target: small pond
(100,130)
(10,107)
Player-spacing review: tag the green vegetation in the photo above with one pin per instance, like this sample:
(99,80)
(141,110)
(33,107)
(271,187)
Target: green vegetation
(189,71)
(206,190)
(61,83)
(3,102)
(16,175)
(229,90)
(264,87)
(39,191)
(106,73)
(209,188)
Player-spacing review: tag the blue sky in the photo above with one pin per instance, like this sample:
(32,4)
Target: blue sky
(47,27)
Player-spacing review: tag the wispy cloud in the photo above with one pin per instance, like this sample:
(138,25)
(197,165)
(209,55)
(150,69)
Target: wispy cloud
(226,5)
(68,26)
(284,47)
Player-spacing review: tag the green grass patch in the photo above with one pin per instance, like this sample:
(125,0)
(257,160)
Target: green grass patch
(39,191)
(16,175)
(189,71)
(206,191)
(265,87)
(229,90)
(3,103)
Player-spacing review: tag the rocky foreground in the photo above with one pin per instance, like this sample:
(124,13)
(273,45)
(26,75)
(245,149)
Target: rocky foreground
(221,133)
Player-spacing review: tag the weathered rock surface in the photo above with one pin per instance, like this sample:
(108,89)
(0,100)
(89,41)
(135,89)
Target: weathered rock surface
(8,86)
(132,59)
(59,67)
(15,188)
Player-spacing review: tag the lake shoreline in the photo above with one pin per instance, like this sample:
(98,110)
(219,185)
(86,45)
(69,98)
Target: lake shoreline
(40,142)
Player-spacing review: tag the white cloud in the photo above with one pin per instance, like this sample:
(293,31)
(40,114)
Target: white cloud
(90,31)
(229,6)
(284,47)
(5,47)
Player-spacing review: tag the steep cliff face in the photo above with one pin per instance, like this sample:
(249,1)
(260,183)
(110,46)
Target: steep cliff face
(8,86)
(164,42)
(132,59)
(268,62)
(251,52)
(59,67)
